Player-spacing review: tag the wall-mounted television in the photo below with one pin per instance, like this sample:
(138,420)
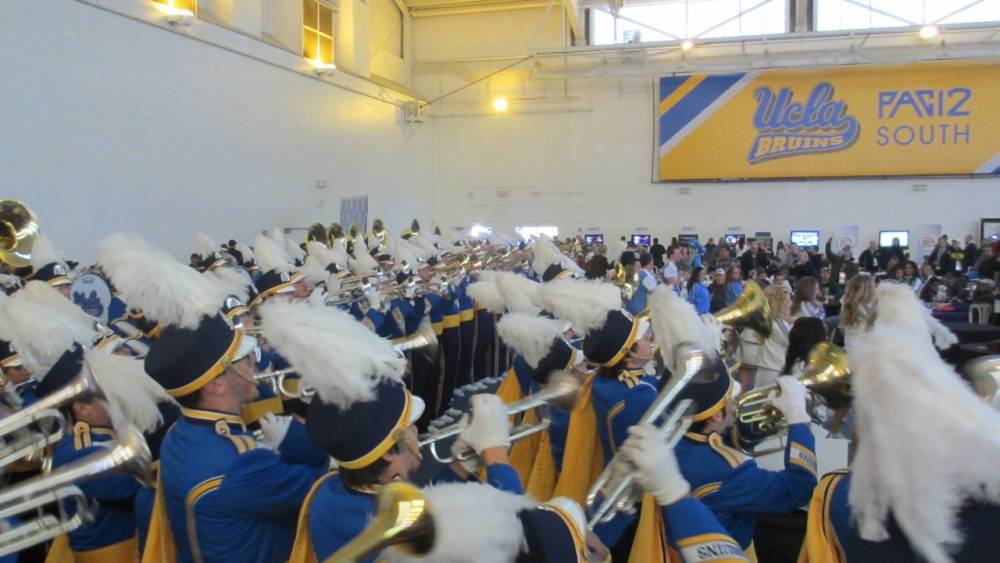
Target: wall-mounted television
(593,238)
(885,238)
(735,239)
(687,239)
(807,239)
(641,240)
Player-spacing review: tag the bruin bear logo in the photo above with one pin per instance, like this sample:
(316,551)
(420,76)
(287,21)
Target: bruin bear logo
(91,304)
(789,128)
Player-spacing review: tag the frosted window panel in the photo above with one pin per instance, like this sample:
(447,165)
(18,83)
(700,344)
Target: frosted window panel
(834,15)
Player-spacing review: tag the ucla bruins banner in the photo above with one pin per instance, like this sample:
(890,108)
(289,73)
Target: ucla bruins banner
(911,120)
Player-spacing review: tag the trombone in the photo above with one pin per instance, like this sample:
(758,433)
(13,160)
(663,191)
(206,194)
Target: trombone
(403,519)
(561,391)
(131,454)
(616,485)
(828,380)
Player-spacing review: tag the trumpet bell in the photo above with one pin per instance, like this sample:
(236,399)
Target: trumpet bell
(402,519)
(423,339)
(18,230)
(750,310)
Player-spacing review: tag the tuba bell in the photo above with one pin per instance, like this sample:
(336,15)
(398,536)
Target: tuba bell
(18,229)
(826,377)
(984,375)
(402,519)
(335,233)
(628,282)
(317,233)
(750,310)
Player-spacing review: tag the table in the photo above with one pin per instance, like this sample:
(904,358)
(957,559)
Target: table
(969,333)
(971,351)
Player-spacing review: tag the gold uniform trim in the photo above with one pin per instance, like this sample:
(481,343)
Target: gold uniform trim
(378,451)
(212,416)
(732,457)
(707,413)
(707,489)
(612,413)
(200,490)
(632,335)
(216,370)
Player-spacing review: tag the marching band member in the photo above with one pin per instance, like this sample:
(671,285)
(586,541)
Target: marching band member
(18,384)
(278,277)
(58,347)
(222,495)
(363,417)
(923,485)
(48,266)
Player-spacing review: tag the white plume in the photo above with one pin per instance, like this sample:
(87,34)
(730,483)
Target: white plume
(271,256)
(325,255)
(314,271)
(406,252)
(295,251)
(363,262)
(585,304)
(615,250)
(276,235)
(897,304)
(204,245)
(150,279)
(231,281)
(132,395)
(332,352)
(44,253)
(472,518)
(927,443)
(519,293)
(674,321)
(39,333)
(248,255)
(487,294)
(48,296)
(529,336)
(426,246)
(340,247)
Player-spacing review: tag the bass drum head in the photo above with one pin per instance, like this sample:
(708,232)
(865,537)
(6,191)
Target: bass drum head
(92,293)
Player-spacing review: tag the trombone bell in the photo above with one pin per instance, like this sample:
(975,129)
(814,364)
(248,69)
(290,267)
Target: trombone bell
(402,519)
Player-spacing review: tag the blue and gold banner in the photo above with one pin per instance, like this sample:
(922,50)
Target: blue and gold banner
(929,119)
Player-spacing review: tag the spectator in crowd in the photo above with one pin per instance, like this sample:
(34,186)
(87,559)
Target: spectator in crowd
(235,252)
(806,302)
(895,274)
(771,351)
(803,266)
(697,293)
(870,260)
(791,256)
(830,290)
(760,276)
(753,258)
(647,284)
(779,252)
(987,263)
(670,274)
(657,251)
(718,291)
(971,253)
(710,254)
(683,275)
(734,284)
(937,256)
(781,278)
(725,258)
(856,310)
(842,262)
(894,251)
(805,333)
(954,259)
(911,276)
(597,268)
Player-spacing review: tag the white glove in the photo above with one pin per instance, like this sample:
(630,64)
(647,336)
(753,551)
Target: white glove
(490,427)
(374,298)
(274,428)
(791,400)
(658,473)
(470,465)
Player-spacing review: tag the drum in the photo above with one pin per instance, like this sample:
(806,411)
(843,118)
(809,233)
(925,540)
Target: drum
(92,293)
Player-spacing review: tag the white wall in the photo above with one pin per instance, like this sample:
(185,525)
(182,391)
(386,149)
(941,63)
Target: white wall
(112,124)
(590,167)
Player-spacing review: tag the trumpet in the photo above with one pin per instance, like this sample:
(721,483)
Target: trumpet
(131,454)
(402,519)
(279,384)
(616,485)
(828,380)
(561,391)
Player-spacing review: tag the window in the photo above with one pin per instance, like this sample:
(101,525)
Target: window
(835,15)
(528,231)
(317,31)
(189,5)
(675,20)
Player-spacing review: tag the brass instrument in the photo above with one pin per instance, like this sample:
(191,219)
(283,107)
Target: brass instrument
(131,455)
(750,310)
(317,233)
(628,282)
(379,233)
(402,519)
(826,377)
(616,486)
(335,233)
(277,380)
(423,338)
(984,375)
(18,230)
(561,391)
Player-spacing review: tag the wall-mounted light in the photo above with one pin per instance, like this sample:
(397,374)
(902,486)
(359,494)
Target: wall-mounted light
(500,105)
(929,31)
(174,15)
(480,230)
(320,68)
(686,45)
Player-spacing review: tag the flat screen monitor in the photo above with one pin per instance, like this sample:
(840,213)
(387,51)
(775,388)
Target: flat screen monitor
(641,240)
(687,239)
(594,238)
(735,239)
(808,239)
(885,238)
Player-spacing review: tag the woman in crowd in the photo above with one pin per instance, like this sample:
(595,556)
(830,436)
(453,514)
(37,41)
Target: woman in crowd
(911,276)
(598,266)
(806,302)
(718,291)
(734,283)
(804,334)
(856,309)
(772,350)
(697,293)
(780,253)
